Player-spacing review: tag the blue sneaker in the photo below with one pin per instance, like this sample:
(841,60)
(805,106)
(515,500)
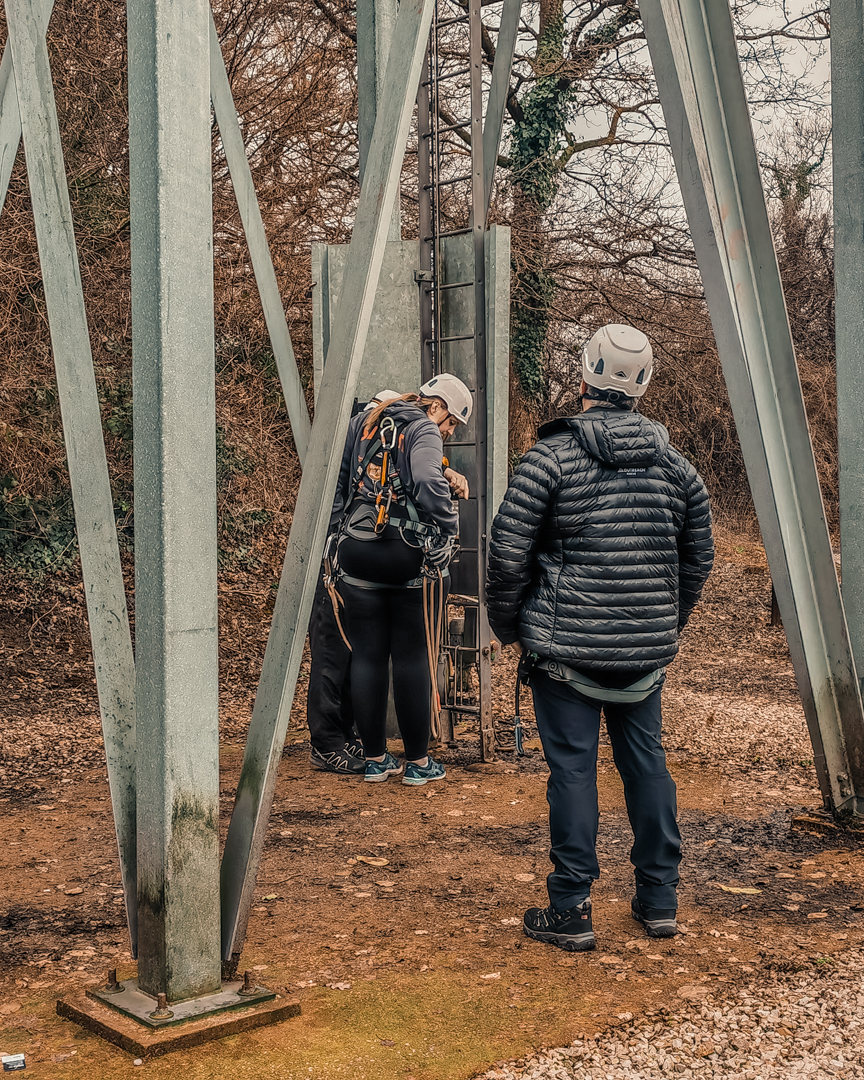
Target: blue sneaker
(378,771)
(416,775)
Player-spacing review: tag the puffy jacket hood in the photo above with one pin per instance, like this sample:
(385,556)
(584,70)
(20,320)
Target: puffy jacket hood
(615,437)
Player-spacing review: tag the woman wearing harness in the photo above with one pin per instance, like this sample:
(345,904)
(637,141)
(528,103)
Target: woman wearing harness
(396,522)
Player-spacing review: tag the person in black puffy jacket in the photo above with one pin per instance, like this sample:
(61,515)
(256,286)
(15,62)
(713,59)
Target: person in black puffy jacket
(598,556)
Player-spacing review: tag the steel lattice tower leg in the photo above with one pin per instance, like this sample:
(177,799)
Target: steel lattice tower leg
(175,498)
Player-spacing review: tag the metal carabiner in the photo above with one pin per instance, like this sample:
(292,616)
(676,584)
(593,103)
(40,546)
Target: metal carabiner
(383,512)
(388,425)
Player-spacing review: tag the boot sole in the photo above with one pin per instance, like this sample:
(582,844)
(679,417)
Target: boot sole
(337,772)
(379,779)
(580,943)
(667,930)
(422,780)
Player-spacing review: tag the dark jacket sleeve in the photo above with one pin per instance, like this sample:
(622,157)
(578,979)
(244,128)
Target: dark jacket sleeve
(346,469)
(695,546)
(429,488)
(515,533)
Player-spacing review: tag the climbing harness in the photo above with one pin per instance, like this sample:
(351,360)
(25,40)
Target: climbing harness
(364,520)
(637,691)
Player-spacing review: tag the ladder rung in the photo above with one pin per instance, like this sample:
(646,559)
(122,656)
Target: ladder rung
(444,130)
(449,75)
(451,22)
(450,180)
(453,74)
(457,337)
(441,235)
(457,285)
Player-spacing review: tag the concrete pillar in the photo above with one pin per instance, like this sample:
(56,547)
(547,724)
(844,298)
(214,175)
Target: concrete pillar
(175,498)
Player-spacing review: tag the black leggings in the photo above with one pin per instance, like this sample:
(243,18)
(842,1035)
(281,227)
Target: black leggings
(385,624)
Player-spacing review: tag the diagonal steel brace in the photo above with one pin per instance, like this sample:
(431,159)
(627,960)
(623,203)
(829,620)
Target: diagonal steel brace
(693,48)
(259,250)
(247,203)
(10,115)
(248,826)
(82,422)
(498,91)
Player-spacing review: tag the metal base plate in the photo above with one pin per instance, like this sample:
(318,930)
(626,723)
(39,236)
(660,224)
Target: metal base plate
(92,1012)
(136,1004)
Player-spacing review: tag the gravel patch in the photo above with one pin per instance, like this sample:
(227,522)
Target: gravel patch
(732,732)
(802,1026)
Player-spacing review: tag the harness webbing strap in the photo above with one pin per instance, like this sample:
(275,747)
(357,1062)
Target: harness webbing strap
(398,494)
(635,692)
(360,583)
(374,447)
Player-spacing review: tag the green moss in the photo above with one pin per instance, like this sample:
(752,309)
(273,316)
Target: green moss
(534,292)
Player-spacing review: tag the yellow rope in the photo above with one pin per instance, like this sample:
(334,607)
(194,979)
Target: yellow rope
(433,624)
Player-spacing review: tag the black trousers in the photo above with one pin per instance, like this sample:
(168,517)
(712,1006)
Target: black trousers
(569,727)
(329,711)
(385,625)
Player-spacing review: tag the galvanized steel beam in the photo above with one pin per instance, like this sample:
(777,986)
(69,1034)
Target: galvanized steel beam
(173,374)
(82,422)
(10,123)
(847,139)
(695,59)
(481,374)
(259,250)
(376,20)
(248,827)
(10,116)
(247,203)
(498,91)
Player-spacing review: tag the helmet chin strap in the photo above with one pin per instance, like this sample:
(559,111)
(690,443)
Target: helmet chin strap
(614,398)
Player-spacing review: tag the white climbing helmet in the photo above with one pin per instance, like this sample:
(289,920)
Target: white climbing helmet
(618,357)
(384,395)
(453,392)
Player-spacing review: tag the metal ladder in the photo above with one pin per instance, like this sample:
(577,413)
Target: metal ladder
(442,69)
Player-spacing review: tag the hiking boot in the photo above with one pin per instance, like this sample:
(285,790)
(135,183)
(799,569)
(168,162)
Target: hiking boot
(570,930)
(415,775)
(658,922)
(337,761)
(378,771)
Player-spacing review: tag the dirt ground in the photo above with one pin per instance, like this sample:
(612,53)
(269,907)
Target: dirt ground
(394,914)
